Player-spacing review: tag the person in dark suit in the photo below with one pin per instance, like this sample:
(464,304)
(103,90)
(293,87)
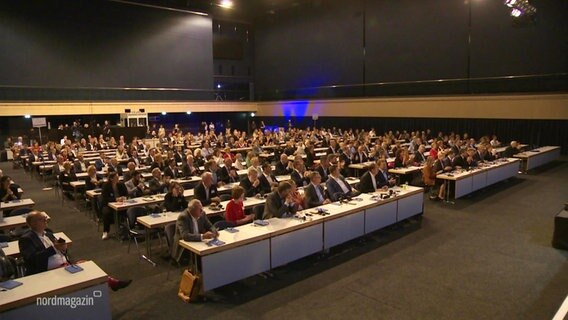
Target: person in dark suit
(337,186)
(93,180)
(174,200)
(368,182)
(128,174)
(135,158)
(80,165)
(460,161)
(251,183)
(171,170)
(206,191)
(192,225)
(227,173)
(283,167)
(300,175)
(278,203)
(333,148)
(345,159)
(157,183)
(419,157)
(323,167)
(41,251)
(189,169)
(8,190)
(101,161)
(512,150)
(178,155)
(360,156)
(382,177)
(268,181)
(112,191)
(314,193)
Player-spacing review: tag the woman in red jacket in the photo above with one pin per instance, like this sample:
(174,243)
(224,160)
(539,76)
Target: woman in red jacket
(235,209)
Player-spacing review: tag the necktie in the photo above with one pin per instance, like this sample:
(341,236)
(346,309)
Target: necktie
(318,191)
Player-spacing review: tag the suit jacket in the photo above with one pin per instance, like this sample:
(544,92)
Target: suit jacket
(77,165)
(381,180)
(359,158)
(89,185)
(298,179)
(459,161)
(510,152)
(311,196)
(107,193)
(265,186)
(419,157)
(324,173)
(187,171)
(174,204)
(156,186)
(281,169)
(35,254)
(173,173)
(223,175)
(185,231)
(334,189)
(99,164)
(199,193)
(366,183)
(275,207)
(250,191)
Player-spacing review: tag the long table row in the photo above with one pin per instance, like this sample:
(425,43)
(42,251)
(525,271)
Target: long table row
(253,249)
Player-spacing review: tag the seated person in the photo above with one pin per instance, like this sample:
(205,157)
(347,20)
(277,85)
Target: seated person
(283,167)
(460,161)
(189,169)
(127,175)
(296,197)
(80,164)
(512,150)
(8,190)
(136,187)
(382,177)
(206,191)
(93,180)
(171,170)
(300,176)
(157,183)
(227,173)
(279,204)
(337,186)
(419,157)
(192,225)
(235,209)
(41,251)
(251,183)
(268,181)
(368,182)
(403,159)
(113,191)
(174,201)
(360,156)
(314,193)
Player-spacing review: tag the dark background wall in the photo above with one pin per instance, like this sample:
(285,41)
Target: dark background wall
(93,43)
(323,44)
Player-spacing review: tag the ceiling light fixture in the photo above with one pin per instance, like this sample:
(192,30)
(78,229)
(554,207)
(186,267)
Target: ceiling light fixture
(227,4)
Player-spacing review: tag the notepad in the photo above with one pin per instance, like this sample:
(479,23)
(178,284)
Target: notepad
(10,284)
(73,268)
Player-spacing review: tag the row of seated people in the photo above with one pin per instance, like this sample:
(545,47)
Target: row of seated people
(42,251)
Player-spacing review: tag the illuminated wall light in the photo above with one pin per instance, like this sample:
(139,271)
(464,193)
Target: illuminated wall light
(516,13)
(510,3)
(188,113)
(164,113)
(27,116)
(227,4)
(252,114)
(218,86)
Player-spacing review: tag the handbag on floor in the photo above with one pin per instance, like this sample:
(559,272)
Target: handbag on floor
(189,286)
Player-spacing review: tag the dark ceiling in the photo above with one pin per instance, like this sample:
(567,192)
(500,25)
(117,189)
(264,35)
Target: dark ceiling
(243,10)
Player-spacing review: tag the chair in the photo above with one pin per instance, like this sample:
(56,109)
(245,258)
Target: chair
(20,211)
(258,211)
(224,224)
(225,197)
(170,231)
(135,232)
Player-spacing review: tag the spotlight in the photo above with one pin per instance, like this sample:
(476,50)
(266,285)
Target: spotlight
(510,3)
(520,8)
(516,13)
(227,4)
(164,113)
(218,86)
(188,112)
(252,114)
(27,116)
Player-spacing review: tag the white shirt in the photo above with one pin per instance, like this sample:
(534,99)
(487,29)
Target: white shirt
(269,178)
(373,180)
(56,260)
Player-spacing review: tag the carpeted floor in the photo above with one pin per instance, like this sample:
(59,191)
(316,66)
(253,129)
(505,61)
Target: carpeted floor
(486,257)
